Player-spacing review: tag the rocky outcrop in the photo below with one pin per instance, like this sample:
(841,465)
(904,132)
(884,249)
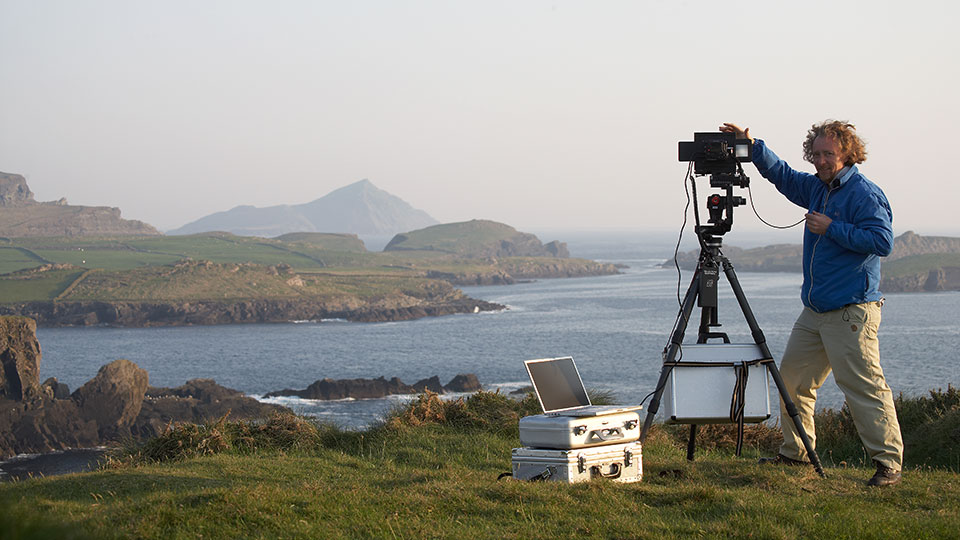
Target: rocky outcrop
(19,359)
(329,389)
(14,190)
(143,314)
(911,243)
(199,400)
(464,383)
(115,405)
(112,399)
(100,411)
(22,216)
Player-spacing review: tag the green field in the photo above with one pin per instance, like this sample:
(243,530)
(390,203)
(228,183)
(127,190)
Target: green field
(431,472)
(222,266)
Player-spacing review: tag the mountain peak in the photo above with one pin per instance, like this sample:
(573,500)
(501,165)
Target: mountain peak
(357,208)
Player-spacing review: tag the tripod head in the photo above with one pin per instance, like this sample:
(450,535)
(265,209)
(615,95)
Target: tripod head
(720,206)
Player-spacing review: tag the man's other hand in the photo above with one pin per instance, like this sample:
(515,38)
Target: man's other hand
(817,223)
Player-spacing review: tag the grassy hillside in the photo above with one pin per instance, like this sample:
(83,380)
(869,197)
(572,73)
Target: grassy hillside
(313,265)
(431,472)
(477,238)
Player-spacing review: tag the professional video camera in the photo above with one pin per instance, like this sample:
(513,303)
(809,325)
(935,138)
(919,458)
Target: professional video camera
(715,153)
(718,155)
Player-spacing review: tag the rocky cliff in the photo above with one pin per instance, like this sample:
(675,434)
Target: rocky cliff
(22,216)
(19,359)
(911,243)
(115,405)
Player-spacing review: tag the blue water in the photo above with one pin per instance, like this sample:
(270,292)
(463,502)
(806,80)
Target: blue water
(614,326)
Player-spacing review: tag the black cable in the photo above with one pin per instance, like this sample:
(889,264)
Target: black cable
(676,251)
(765,222)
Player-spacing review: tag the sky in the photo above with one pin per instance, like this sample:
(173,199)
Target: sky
(540,114)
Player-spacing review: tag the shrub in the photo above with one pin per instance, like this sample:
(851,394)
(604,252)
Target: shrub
(283,432)
(482,410)
(930,426)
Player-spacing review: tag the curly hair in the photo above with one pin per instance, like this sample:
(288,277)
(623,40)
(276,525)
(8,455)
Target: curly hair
(851,145)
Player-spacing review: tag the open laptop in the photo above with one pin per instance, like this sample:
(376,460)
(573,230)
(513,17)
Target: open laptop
(560,390)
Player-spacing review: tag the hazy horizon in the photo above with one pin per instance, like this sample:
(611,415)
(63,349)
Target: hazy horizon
(545,115)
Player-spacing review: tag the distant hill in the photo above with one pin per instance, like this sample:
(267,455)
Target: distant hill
(917,263)
(359,208)
(328,241)
(22,216)
(477,238)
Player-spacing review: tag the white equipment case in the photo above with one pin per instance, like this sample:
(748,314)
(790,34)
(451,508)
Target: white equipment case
(616,462)
(570,432)
(701,386)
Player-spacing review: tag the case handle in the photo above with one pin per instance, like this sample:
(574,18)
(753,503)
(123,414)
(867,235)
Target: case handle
(615,470)
(607,434)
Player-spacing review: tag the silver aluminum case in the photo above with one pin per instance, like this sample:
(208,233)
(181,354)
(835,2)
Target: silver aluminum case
(568,432)
(702,395)
(615,462)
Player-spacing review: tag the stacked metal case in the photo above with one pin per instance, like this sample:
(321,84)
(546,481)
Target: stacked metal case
(568,448)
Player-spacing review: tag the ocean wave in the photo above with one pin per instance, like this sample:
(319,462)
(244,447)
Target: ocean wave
(287,401)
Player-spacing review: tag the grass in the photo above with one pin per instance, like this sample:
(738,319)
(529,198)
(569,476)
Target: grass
(430,471)
(155,268)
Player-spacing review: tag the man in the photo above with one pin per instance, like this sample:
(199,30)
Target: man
(848,229)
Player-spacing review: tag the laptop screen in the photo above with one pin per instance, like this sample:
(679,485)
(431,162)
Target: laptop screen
(557,383)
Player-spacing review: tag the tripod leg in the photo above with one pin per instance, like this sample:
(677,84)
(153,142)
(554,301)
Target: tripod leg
(795,416)
(761,341)
(670,355)
(692,443)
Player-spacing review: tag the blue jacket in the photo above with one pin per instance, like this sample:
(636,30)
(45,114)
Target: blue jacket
(842,266)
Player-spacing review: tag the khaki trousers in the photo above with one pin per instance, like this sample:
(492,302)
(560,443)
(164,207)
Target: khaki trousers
(845,341)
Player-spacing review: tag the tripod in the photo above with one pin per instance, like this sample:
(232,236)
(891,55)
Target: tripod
(703,290)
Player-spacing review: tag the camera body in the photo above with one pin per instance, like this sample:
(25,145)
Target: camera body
(719,155)
(715,153)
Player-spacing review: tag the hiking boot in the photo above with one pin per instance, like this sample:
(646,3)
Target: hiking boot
(781,460)
(885,476)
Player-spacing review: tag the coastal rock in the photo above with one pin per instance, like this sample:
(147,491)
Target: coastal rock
(464,383)
(329,389)
(198,400)
(557,249)
(432,385)
(55,389)
(113,397)
(19,358)
(115,404)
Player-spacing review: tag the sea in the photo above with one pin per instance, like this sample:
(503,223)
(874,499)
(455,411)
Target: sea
(615,327)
